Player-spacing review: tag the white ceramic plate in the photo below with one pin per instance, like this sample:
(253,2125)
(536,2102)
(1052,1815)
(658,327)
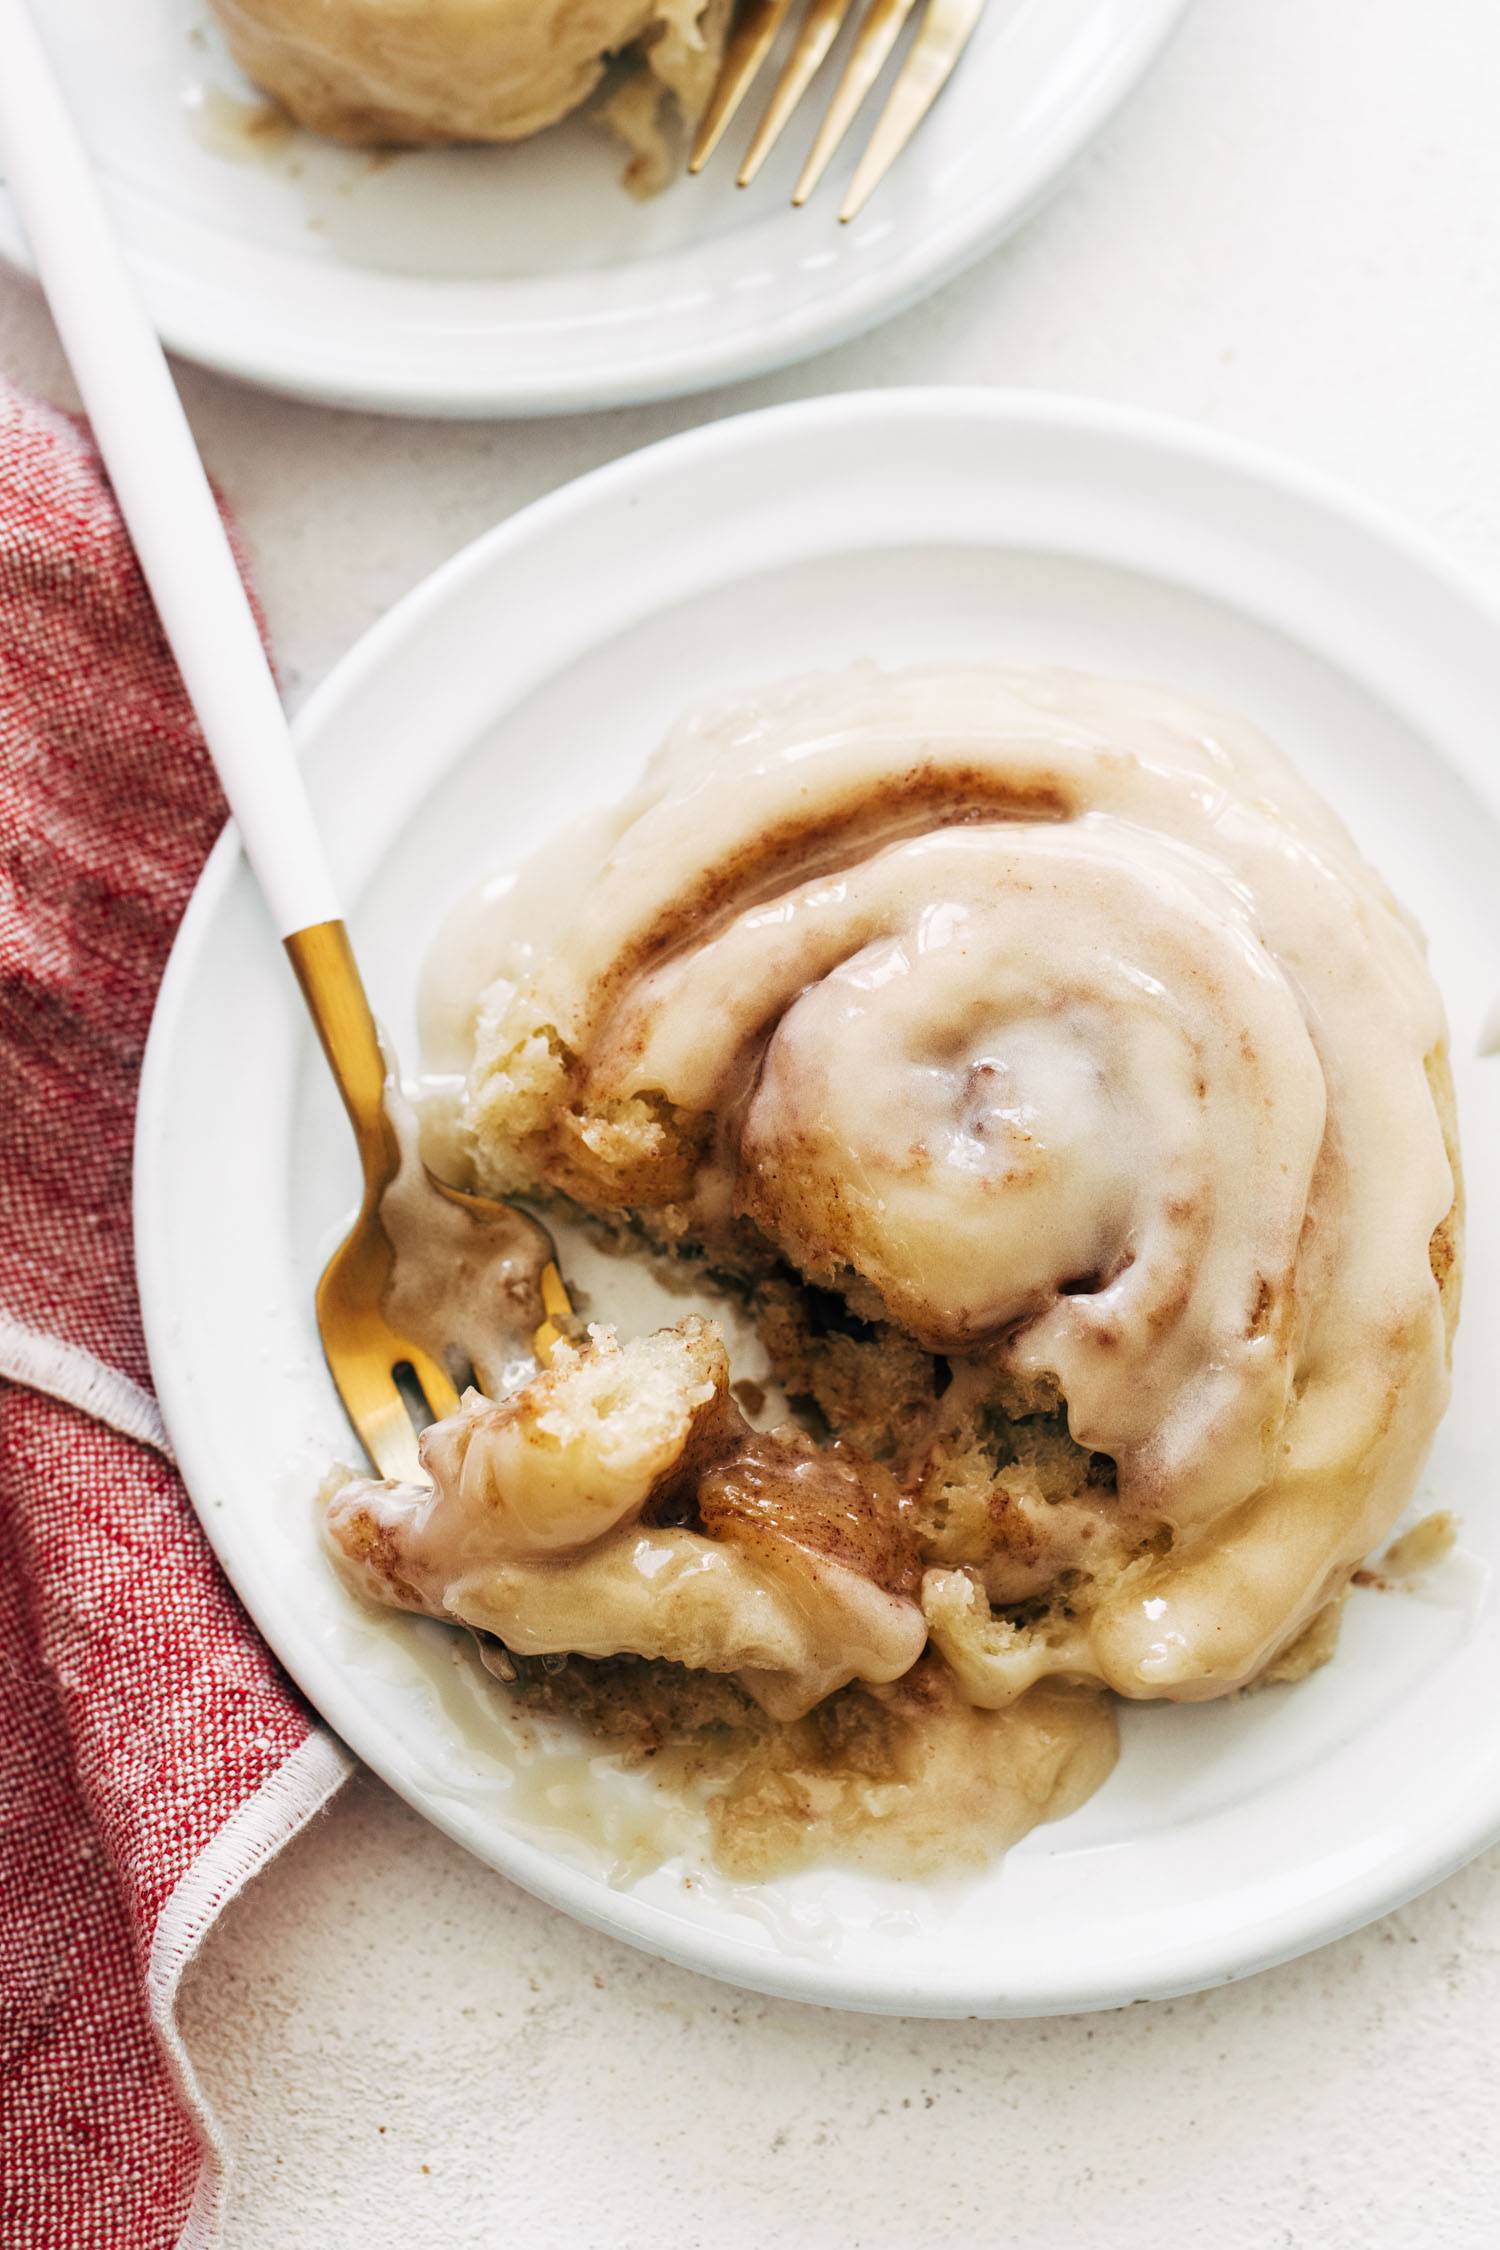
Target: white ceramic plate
(524,281)
(532,676)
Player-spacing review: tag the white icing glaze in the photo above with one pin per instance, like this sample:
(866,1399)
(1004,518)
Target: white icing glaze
(1059,1019)
(465,1279)
(791,1635)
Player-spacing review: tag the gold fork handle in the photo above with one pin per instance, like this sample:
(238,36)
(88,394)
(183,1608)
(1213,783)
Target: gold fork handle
(325,967)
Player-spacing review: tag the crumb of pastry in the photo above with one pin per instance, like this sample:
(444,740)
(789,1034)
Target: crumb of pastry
(1423,1547)
(1428,1542)
(1310,1651)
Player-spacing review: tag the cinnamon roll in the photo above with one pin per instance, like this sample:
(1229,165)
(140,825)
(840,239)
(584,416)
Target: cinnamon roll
(1039,1061)
(413,72)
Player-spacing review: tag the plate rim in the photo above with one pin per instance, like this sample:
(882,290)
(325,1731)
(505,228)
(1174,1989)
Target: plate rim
(1187,1967)
(872,297)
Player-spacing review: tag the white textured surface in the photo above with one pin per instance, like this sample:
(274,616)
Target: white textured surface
(1293,234)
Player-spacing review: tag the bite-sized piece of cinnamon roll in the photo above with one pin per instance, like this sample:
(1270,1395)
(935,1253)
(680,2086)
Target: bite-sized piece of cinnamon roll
(619,1504)
(1042,1060)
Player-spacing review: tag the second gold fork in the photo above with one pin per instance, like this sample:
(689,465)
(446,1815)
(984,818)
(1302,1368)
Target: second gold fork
(943,34)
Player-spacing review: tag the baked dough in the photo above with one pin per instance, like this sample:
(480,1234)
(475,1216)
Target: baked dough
(404,72)
(1056,1034)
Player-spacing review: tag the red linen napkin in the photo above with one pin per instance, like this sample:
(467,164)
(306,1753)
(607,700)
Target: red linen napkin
(151,1755)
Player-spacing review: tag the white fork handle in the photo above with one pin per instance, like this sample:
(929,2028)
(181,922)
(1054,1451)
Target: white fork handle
(159,480)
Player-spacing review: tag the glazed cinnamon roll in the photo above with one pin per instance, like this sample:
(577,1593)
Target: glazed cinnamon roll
(438,71)
(1039,1061)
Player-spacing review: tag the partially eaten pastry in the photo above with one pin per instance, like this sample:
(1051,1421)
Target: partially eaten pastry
(1037,1063)
(621,1504)
(407,72)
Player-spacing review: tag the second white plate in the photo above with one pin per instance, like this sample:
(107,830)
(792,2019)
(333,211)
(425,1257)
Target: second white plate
(531,677)
(524,280)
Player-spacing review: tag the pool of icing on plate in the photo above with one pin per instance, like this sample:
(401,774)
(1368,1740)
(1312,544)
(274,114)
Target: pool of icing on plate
(554,1791)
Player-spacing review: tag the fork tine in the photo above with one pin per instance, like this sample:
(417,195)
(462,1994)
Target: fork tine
(945,32)
(364,1351)
(386,1433)
(820,28)
(557,1308)
(367,1385)
(436,1384)
(877,35)
(757,25)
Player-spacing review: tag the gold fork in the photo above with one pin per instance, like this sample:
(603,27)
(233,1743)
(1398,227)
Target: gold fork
(367,1357)
(944,32)
(179,538)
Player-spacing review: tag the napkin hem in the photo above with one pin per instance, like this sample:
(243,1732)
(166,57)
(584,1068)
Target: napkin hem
(300,1787)
(66,1372)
